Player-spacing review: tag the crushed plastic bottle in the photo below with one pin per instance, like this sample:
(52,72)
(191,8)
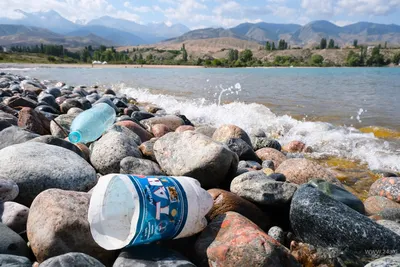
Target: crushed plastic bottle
(92,123)
(128,210)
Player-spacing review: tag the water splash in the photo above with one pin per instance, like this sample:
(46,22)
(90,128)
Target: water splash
(230,90)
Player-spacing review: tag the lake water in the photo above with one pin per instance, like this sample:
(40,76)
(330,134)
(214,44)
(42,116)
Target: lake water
(323,107)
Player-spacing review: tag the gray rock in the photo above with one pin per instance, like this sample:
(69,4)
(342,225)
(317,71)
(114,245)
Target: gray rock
(263,142)
(391,225)
(36,167)
(141,115)
(8,190)
(388,261)
(151,256)
(249,164)
(132,165)
(72,259)
(277,234)
(55,141)
(206,130)
(242,149)
(54,91)
(9,118)
(195,155)
(75,111)
(228,131)
(65,122)
(14,215)
(15,135)
(339,193)
(107,153)
(321,221)
(11,243)
(392,214)
(7,260)
(58,224)
(259,188)
(171,121)
(108,101)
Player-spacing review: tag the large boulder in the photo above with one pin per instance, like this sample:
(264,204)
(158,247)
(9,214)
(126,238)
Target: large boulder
(8,260)
(226,132)
(8,190)
(11,243)
(323,222)
(151,256)
(14,135)
(14,215)
(33,121)
(232,240)
(195,155)
(171,121)
(132,165)
(35,167)
(115,145)
(301,171)
(58,224)
(259,188)
(388,261)
(55,141)
(386,187)
(272,154)
(377,204)
(72,259)
(225,201)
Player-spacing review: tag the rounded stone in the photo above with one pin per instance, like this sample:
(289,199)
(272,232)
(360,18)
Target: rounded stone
(147,149)
(171,121)
(64,121)
(264,142)
(259,188)
(151,256)
(301,171)
(376,204)
(14,215)
(58,224)
(141,115)
(297,147)
(272,154)
(132,165)
(226,132)
(55,168)
(386,187)
(269,164)
(70,103)
(232,240)
(11,243)
(72,259)
(112,148)
(55,141)
(242,149)
(277,234)
(160,130)
(137,129)
(206,130)
(184,128)
(388,261)
(225,201)
(7,260)
(14,135)
(8,190)
(197,156)
(391,225)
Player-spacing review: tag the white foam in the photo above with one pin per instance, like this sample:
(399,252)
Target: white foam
(324,138)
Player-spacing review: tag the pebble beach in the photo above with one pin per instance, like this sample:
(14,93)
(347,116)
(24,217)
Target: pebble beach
(273,204)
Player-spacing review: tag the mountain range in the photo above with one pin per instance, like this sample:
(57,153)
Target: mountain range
(51,27)
(117,31)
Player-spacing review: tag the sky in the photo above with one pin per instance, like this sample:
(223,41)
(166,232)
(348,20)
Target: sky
(215,13)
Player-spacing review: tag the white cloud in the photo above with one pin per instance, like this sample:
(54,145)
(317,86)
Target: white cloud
(369,7)
(342,23)
(140,9)
(318,7)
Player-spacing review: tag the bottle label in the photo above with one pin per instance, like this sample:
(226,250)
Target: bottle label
(163,208)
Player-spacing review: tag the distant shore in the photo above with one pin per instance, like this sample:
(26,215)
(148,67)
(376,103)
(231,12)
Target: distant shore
(95,66)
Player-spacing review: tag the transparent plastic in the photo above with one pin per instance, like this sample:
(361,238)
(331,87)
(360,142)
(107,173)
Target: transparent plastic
(92,123)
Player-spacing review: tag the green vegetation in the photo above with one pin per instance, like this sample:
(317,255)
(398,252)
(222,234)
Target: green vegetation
(323,44)
(316,60)
(184,53)
(376,59)
(355,43)
(396,58)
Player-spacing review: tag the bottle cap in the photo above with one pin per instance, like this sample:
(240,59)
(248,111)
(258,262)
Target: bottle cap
(75,137)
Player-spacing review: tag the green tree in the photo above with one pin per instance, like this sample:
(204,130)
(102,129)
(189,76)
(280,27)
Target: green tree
(246,55)
(273,46)
(385,45)
(331,44)
(236,52)
(353,59)
(396,58)
(355,43)
(134,58)
(376,58)
(323,43)
(216,62)
(184,53)
(267,46)
(317,59)
(149,57)
(231,55)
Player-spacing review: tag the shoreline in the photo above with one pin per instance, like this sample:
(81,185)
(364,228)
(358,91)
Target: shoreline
(128,66)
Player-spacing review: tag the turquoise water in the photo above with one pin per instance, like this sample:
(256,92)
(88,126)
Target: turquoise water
(335,95)
(323,107)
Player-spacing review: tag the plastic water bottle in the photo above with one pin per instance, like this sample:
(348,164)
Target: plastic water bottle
(92,123)
(128,210)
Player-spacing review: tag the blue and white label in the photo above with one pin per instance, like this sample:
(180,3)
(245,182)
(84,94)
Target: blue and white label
(163,208)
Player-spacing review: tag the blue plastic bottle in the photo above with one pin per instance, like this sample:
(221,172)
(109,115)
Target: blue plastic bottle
(92,123)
